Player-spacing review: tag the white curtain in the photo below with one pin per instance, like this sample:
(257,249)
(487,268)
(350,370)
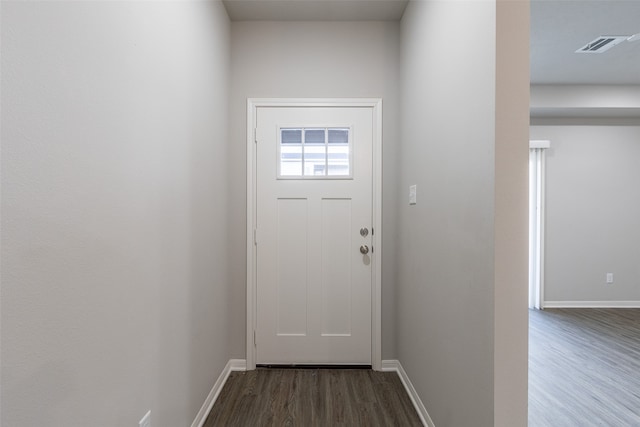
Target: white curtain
(536,226)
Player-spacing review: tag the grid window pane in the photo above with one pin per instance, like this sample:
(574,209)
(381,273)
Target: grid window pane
(292,136)
(338,136)
(291,160)
(314,152)
(338,160)
(314,136)
(315,158)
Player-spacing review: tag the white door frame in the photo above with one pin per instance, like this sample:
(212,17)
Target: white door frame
(376,293)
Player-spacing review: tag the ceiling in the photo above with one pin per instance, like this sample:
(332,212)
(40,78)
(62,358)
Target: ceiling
(558,29)
(315,10)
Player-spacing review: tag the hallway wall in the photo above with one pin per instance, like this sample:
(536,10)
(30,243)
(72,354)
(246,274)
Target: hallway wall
(445,326)
(123,201)
(114,241)
(461,294)
(313,60)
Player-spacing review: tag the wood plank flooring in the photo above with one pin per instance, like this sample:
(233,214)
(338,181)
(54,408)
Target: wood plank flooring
(313,397)
(584,367)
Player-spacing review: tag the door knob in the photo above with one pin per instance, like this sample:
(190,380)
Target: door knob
(364,231)
(364,249)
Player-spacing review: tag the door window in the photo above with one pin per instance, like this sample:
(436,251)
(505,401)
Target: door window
(314,153)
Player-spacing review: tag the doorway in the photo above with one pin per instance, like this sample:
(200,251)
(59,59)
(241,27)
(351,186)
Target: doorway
(313,227)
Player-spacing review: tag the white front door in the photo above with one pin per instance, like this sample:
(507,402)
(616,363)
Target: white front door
(313,234)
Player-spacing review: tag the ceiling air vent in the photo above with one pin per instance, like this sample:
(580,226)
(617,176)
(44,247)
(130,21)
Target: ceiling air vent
(602,44)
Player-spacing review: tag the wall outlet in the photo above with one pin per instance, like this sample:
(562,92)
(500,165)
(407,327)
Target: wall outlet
(146,420)
(609,278)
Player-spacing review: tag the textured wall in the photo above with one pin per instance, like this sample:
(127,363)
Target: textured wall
(114,278)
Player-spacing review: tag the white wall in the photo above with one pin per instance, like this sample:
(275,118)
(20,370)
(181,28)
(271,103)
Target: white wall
(585,104)
(592,213)
(315,60)
(585,97)
(465,240)
(445,294)
(114,181)
(124,269)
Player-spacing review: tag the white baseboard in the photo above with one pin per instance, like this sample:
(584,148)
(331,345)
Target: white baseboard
(395,366)
(232,365)
(591,304)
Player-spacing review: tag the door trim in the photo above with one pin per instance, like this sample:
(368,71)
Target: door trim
(376,292)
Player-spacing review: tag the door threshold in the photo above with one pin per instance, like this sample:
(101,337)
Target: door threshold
(310,366)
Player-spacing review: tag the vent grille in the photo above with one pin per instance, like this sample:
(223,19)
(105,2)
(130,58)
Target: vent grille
(601,44)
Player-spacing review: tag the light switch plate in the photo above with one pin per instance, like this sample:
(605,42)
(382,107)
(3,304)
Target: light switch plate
(412,195)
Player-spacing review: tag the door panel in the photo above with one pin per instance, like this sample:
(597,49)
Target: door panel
(291,279)
(337,282)
(313,284)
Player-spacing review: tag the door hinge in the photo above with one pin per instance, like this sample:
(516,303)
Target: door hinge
(255,236)
(254,338)
(255,135)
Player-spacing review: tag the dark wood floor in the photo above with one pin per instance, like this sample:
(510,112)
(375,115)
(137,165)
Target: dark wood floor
(313,397)
(584,367)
